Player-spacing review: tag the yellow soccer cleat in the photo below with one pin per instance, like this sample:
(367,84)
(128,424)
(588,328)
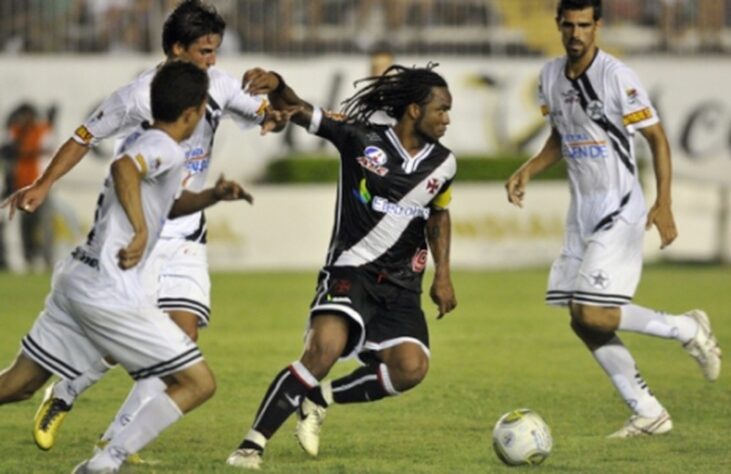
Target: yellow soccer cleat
(48,419)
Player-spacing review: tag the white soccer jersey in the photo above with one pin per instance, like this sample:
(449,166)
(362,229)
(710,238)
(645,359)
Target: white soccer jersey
(91,274)
(129,106)
(596,116)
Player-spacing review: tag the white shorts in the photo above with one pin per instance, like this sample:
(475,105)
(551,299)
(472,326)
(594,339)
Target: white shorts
(183,283)
(601,270)
(69,336)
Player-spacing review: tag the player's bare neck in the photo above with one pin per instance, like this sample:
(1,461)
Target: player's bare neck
(575,67)
(171,129)
(412,141)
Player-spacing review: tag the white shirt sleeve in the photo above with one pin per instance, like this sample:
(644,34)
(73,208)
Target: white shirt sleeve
(633,101)
(120,112)
(245,109)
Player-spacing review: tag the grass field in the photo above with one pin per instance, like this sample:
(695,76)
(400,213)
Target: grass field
(501,349)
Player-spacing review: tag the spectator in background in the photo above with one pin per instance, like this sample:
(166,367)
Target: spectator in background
(711,18)
(28,146)
(380,58)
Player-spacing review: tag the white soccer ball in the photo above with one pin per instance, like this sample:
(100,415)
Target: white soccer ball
(521,437)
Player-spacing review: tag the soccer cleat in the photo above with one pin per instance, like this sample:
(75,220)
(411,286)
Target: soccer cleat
(48,419)
(83,468)
(641,426)
(134,458)
(246,459)
(310,417)
(704,346)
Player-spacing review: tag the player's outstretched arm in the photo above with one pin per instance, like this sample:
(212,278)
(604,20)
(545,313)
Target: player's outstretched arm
(549,155)
(224,190)
(438,234)
(127,181)
(282,97)
(661,213)
(29,198)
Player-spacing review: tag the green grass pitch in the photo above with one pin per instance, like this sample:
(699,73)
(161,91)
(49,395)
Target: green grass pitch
(501,349)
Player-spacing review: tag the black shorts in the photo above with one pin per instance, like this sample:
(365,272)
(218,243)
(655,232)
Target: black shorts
(381,314)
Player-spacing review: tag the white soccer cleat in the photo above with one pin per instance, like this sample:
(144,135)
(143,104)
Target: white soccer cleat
(84,468)
(704,346)
(245,459)
(310,417)
(641,426)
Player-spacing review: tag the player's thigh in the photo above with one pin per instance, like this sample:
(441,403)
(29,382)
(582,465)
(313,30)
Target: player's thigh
(184,285)
(565,268)
(22,379)
(58,343)
(342,292)
(399,321)
(612,266)
(145,341)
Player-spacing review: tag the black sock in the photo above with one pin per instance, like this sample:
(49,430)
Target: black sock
(283,397)
(315,396)
(366,384)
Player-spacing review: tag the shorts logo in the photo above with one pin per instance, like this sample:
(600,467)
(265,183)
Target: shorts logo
(418,261)
(599,279)
(373,160)
(340,287)
(595,109)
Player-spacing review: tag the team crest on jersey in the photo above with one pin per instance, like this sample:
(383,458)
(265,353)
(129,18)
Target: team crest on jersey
(599,279)
(595,109)
(633,96)
(433,185)
(373,160)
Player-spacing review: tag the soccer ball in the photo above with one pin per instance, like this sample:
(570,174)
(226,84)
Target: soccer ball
(521,437)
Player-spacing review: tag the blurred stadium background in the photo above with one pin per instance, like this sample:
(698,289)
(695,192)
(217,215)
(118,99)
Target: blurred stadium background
(65,56)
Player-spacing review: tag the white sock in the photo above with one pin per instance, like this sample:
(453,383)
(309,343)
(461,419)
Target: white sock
(142,391)
(69,390)
(657,323)
(618,363)
(151,419)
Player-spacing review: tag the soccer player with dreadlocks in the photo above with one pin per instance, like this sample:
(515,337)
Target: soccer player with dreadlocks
(393,192)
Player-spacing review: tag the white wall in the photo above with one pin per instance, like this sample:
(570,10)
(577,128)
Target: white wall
(290,226)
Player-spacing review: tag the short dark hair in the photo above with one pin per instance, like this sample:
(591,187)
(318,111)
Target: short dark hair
(191,19)
(564,5)
(177,86)
(393,91)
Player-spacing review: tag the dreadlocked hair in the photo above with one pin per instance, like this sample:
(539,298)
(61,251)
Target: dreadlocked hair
(392,92)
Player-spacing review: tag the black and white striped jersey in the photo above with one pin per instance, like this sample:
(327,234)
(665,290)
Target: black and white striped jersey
(385,197)
(597,115)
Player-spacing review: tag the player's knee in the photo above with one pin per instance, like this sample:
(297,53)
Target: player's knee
(591,338)
(321,353)
(205,386)
(593,318)
(408,373)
